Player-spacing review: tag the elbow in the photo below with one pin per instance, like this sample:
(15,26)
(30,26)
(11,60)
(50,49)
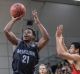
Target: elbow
(5,31)
(47,38)
(60,53)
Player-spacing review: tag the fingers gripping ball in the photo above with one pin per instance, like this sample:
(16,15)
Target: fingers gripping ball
(17,9)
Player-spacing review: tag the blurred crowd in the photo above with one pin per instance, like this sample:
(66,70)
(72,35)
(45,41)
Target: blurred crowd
(60,68)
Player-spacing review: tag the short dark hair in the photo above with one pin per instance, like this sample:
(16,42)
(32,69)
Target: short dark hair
(76,45)
(32,31)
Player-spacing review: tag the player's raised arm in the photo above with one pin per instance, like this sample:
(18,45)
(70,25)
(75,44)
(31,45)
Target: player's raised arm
(45,36)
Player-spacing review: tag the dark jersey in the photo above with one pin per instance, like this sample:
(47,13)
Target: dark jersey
(25,58)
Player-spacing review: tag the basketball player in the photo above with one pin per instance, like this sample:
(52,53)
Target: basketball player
(25,56)
(73,57)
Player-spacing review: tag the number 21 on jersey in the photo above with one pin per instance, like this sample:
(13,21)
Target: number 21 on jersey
(25,59)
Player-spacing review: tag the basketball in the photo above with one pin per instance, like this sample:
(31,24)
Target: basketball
(17,9)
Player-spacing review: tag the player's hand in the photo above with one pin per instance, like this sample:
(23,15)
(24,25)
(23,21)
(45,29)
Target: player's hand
(59,31)
(35,16)
(16,18)
(34,13)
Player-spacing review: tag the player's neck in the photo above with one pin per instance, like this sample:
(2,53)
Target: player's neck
(28,42)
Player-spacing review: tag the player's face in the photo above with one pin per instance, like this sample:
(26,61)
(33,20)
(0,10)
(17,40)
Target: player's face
(42,69)
(72,49)
(28,35)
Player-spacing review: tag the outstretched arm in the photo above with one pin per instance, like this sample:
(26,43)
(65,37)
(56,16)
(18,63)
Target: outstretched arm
(8,33)
(45,36)
(58,37)
(61,50)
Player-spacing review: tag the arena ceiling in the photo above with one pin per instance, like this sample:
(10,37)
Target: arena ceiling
(71,2)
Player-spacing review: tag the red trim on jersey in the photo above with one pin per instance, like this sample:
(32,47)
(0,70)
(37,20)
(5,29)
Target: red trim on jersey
(74,71)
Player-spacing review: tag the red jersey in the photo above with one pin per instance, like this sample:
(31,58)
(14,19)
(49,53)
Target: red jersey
(74,71)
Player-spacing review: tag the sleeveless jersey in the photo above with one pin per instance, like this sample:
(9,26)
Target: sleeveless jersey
(25,58)
(74,71)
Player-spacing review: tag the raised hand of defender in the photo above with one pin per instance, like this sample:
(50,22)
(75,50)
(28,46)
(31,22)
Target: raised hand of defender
(59,31)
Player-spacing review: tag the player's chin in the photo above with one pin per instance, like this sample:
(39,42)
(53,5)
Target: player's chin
(27,39)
